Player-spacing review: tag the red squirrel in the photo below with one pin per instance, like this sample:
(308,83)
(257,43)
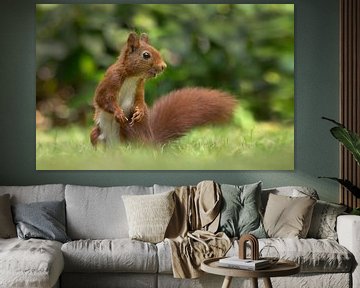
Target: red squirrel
(121,113)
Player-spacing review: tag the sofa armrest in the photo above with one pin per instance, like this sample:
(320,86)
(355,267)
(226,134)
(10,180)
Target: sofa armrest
(348,230)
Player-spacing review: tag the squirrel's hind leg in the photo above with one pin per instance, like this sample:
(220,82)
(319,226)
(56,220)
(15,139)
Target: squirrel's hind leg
(94,135)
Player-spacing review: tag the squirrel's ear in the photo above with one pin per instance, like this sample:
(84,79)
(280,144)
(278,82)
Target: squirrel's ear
(133,41)
(144,37)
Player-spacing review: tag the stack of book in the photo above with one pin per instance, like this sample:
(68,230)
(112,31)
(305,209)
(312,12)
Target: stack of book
(248,264)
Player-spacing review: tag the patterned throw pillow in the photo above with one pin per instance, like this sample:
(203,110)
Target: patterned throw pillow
(240,213)
(323,222)
(149,215)
(288,217)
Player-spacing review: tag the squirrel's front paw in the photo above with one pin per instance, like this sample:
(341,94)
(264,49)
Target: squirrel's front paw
(138,115)
(120,117)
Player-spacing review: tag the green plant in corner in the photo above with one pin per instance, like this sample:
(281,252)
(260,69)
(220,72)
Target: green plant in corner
(351,141)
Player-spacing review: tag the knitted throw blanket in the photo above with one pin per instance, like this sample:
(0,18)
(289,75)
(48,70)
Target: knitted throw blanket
(191,232)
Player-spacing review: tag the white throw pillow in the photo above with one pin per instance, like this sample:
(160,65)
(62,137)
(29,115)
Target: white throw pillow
(149,215)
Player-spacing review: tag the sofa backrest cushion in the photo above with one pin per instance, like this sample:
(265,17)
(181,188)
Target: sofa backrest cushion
(163,188)
(7,226)
(36,193)
(98,212)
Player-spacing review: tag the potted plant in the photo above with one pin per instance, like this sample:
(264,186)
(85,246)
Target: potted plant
(351,141)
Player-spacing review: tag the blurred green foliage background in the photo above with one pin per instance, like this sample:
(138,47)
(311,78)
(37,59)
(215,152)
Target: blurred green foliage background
(245,49)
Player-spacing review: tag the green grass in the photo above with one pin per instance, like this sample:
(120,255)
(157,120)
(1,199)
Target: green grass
(267,146)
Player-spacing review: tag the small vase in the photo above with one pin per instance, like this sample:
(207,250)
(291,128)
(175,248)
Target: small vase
(270,253)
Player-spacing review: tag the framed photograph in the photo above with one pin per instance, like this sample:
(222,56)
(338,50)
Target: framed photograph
(165,87)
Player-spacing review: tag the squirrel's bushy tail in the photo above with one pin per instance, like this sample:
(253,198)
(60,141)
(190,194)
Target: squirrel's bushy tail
(179,111)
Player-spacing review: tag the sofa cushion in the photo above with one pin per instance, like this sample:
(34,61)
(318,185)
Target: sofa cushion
(313,255)
(36,193)
(164,257)
(117,255)
(7,226)
(98,213)
(163,188)
(30,263)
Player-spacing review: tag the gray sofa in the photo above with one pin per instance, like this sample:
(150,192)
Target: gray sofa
(101,254)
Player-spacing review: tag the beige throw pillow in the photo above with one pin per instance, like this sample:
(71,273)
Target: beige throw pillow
(7,226)
(288,217)
(149,215)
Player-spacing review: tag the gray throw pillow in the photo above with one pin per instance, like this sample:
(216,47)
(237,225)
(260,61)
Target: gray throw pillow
(323,222)
(44,220)
(240,213)
(7,227)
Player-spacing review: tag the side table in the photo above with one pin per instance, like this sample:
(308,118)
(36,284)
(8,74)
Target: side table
(281,268)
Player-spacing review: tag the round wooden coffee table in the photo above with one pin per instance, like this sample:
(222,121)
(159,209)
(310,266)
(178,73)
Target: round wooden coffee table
(281,268)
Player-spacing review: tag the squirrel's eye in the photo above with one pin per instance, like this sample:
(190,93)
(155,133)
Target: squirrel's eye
(146,55)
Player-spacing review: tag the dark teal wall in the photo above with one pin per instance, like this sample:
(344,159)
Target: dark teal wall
(316,92)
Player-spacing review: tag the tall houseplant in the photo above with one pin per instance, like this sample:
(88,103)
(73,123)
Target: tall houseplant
(351,141)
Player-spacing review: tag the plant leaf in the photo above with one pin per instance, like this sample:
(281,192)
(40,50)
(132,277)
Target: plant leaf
(349,139)
(347,184)
(333,121)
